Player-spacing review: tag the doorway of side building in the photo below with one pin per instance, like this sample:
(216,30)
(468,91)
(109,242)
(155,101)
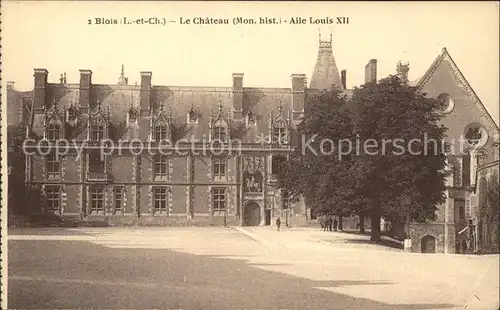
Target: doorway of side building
(428,244)
(251,214)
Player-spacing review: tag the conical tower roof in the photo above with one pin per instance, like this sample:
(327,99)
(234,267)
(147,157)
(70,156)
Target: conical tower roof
(325,72)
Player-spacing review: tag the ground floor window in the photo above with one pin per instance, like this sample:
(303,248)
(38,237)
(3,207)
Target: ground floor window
(53,194)
(97,200)
(118,199)
(219,199)
(161,201)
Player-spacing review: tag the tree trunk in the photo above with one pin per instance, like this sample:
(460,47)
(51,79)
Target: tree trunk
(362,222)
(375,219)
(340,222)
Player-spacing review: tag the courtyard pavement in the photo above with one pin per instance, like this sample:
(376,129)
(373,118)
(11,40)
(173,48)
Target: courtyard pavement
(236,268)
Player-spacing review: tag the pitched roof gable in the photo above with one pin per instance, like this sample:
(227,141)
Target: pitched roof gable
(459,77)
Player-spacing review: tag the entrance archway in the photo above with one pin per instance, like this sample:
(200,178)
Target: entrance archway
(251,214)
(428,244)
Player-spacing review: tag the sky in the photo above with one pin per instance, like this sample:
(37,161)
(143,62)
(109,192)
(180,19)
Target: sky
(57,36)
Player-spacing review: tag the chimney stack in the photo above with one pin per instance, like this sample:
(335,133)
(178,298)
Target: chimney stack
(238,95)
(343,78)
(40,89)
(299,84)
(145,93)
(371,71)
(85,86)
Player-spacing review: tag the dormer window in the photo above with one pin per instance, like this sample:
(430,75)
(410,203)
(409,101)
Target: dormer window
(97,132)
(54,131)
(279,133)
(72,114)
(220,133)
(160,130)
(132,115)
(250,118)
(161,133)
(192,116)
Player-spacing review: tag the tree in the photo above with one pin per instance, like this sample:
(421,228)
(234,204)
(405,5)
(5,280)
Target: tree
(403,175)
(316,170)
(388,158)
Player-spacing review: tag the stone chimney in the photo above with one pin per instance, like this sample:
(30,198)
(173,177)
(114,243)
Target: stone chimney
(40,89)
(145,93)
(343,78)
(371,71)
(402,71)
(237,95)
(299,84)
(85,87)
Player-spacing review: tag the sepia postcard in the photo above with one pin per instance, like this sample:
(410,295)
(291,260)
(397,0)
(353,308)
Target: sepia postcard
(250,155)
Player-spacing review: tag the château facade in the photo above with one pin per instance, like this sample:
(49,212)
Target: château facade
(221,150)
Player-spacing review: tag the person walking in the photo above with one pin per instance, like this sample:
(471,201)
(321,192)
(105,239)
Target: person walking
(278,223)
(335,224)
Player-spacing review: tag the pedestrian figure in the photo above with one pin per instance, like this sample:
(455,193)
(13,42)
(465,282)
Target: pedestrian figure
(322,222)
(326,223)
(457,247)
(278,223)
(335,224)
(464,247)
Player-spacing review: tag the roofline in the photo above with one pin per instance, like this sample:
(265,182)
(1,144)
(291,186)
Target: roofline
(433,68)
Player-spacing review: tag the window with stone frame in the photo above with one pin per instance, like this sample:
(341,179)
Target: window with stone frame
(53,165)
(161,201)
(220,133)
(219,199)
(219,166)
(285,199)
(97,162)
(277,163)
(96,200)
(279,134)
(161,167)
(118,199)
(161,133)
(54,131)
(98,129)
(53,199)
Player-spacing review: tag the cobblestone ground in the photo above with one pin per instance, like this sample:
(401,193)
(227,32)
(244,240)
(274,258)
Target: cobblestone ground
(236,268)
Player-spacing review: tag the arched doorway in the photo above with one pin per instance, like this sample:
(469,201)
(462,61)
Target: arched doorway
(428,244)
(251,214)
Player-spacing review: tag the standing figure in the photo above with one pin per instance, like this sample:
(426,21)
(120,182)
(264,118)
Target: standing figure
(330,223)
(335,224)
(464,247)
(322,222)
(278,223)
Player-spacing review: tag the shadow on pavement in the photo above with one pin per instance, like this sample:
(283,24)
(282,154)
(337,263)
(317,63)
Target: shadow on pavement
(69,274)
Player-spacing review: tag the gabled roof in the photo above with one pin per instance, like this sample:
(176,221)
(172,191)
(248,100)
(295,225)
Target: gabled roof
(445,56)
